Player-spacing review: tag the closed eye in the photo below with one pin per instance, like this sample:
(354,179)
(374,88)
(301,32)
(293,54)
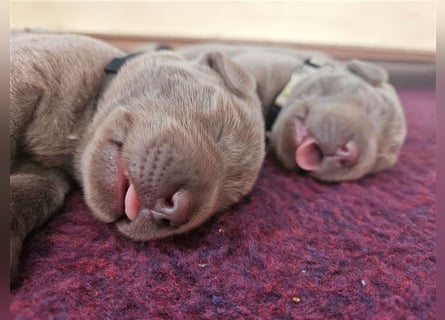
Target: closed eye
(116,143)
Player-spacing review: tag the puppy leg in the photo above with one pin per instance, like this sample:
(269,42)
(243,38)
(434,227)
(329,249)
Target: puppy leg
(23,99)
(36,193)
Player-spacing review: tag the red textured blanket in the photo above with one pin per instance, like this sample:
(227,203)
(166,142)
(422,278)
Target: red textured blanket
(293,249)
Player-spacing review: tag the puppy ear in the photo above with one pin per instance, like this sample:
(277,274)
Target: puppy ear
(370,72)
(235,78)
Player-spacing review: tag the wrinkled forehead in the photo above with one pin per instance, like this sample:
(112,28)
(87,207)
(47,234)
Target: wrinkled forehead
(168,82)
(331,77)
(174,65)
(335,101)
(329,81)
(182,81)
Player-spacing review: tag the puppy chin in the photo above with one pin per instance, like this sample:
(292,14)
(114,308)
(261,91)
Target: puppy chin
(145,228)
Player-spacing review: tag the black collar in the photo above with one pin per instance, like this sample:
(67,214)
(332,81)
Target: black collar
(114,65)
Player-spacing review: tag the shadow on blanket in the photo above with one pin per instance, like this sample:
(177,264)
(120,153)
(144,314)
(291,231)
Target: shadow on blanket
(295,248)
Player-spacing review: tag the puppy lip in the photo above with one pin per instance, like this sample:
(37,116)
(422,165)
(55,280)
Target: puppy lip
(308,155)
(131,202)
(123,183)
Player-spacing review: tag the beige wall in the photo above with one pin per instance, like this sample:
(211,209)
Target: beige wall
(407,25)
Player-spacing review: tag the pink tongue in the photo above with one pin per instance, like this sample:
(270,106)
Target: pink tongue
(308,156)
(131,203)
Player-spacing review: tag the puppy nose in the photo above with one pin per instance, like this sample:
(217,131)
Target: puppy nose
(348,153)
(175,209)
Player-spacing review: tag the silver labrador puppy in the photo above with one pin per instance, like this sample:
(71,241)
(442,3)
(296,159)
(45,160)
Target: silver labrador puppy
(338,120)
(168,143)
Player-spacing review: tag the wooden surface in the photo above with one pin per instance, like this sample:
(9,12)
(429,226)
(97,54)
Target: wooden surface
(341,52)
(390,27)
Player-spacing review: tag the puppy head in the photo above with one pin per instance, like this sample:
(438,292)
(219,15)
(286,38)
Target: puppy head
(340,124)
(173,142)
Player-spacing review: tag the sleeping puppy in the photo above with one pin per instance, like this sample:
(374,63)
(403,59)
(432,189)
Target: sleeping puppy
(166,144)
(338,120)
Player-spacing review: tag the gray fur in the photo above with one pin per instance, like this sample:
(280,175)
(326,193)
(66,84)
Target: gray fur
(344,100)
(164,123)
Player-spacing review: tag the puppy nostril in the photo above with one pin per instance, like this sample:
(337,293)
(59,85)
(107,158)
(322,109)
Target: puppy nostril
(169,202)
(175,209)
(344,148)
(348,154)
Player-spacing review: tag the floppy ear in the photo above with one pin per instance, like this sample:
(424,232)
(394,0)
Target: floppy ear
(235,78)
(372,73)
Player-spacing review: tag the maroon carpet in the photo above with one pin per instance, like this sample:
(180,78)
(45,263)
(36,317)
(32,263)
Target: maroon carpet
(293,249)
